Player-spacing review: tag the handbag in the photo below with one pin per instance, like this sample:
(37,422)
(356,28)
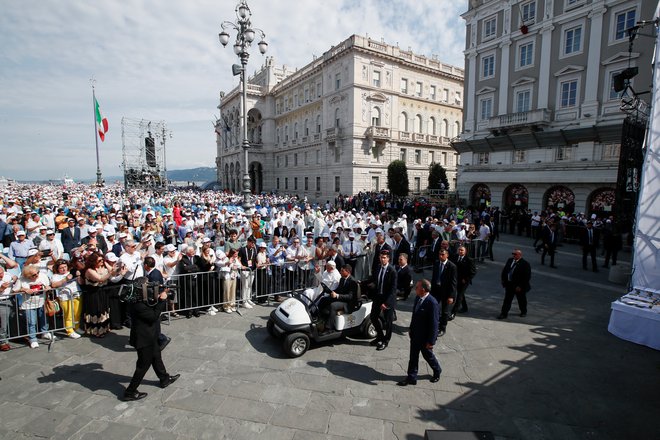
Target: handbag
(51,307)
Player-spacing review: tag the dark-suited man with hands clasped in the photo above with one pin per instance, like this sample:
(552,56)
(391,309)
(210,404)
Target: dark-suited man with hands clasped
(466,269)
(423,334)
(145,322)
(384,300)
(515,279)
(443,287)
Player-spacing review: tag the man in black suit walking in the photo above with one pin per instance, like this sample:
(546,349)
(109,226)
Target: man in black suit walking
(443,287)
(423,334)
(549,237)
(589,241)
(144,337)
(515,279)
(70,236)
(380,246)
(384,300)
(466,269)
(401,246)
(404,276)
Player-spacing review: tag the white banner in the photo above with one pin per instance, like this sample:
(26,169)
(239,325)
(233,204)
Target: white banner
(646,255)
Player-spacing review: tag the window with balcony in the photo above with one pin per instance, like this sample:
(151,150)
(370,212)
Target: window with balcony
(566,153)
(487,68)
(337,81)
(337,120)
(526,55)
(432,92)
(376,78)
(482,158)
(523,98)
(319,89)
(375,117)
(573,41)
(295,130)
(623,20)
(611,151)
(337,184)
(528,12)
(485,108)
(403,121)
(568,91)
(404,85)
(318,124)
(418,89)
(418,124)
(306,127)
(431,128)
(457,128)
(418,157)
(519,156)
(444,129)
(402,154)
(489,28)
(318,184)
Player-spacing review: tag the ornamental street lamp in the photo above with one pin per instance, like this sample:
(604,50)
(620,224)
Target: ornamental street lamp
(245,35)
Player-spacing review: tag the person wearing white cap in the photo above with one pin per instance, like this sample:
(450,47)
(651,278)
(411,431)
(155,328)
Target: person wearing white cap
(352,250)
(330,277)
(55,244)
(94,238)
(18,250)
(68,294)
(31,284)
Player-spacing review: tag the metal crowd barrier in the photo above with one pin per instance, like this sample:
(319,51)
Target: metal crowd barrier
(21,316)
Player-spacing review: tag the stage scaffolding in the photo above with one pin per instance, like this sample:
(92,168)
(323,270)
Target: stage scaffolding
(143,146)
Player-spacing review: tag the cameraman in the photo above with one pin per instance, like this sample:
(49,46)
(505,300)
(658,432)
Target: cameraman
(156,277)
(144,337)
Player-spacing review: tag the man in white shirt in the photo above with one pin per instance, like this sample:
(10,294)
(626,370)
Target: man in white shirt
(132,260)
(484,233)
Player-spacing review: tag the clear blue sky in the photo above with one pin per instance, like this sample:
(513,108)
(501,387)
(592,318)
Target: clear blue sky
(161,60)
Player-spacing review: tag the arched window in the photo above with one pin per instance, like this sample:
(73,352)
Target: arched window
(431,127)
(286,133)
(403,121)
(457,128)
(295,130)
(306,128)
(318,123)
(444,129)
(418,123)
(375,116)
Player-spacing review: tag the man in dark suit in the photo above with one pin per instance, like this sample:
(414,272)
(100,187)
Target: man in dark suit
(466,269)
(345,297)
(515,276)
(155,276)
(550,238)
(380,246)
(435,243)
(401,246)
(443,287)
(95,238)
(70,237)
(423,334)
(332,255)
(144,337)
(384,300)
(589,241)
(403,277)
(188,285)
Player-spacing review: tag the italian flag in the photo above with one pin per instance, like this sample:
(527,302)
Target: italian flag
(101,121)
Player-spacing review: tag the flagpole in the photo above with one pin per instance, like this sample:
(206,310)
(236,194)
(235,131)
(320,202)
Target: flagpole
(99,179)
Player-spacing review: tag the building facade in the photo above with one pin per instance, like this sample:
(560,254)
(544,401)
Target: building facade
(333,126)
(543,123)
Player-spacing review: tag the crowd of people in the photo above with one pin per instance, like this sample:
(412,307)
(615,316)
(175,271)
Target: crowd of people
(80,244)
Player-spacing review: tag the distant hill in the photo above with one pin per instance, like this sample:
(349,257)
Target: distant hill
(203,174)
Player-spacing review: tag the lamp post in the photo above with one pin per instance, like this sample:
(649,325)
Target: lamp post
(245,35)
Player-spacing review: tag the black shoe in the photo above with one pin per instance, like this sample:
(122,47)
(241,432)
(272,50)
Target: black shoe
(134,395)
(163,344)
(522,315)
(374,343)
(382,346)
(435,378)
(188,315)
(451,317)
(502,316)
(407,381)
(442,332)
(169,380)
(196,314)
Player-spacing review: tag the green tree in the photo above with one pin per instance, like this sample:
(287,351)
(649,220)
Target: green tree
(438,177)
(397,178)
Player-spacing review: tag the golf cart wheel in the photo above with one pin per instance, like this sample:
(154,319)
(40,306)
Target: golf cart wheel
(296,344)
(271,330)
(369,330)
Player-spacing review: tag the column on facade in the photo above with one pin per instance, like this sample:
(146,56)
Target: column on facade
(544,66)
(470,92)
(503,100)
(590,105)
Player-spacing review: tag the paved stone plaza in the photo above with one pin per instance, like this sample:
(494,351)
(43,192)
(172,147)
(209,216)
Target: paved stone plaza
(555,374)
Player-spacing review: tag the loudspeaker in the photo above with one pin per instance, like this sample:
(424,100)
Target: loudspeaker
(458,435)
(150,151)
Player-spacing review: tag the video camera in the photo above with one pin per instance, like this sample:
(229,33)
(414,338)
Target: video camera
(141,290)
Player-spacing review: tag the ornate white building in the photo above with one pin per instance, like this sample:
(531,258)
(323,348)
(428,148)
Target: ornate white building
(334,125)
(543,124)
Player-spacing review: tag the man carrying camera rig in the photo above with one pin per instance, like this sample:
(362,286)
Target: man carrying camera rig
(145,326)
